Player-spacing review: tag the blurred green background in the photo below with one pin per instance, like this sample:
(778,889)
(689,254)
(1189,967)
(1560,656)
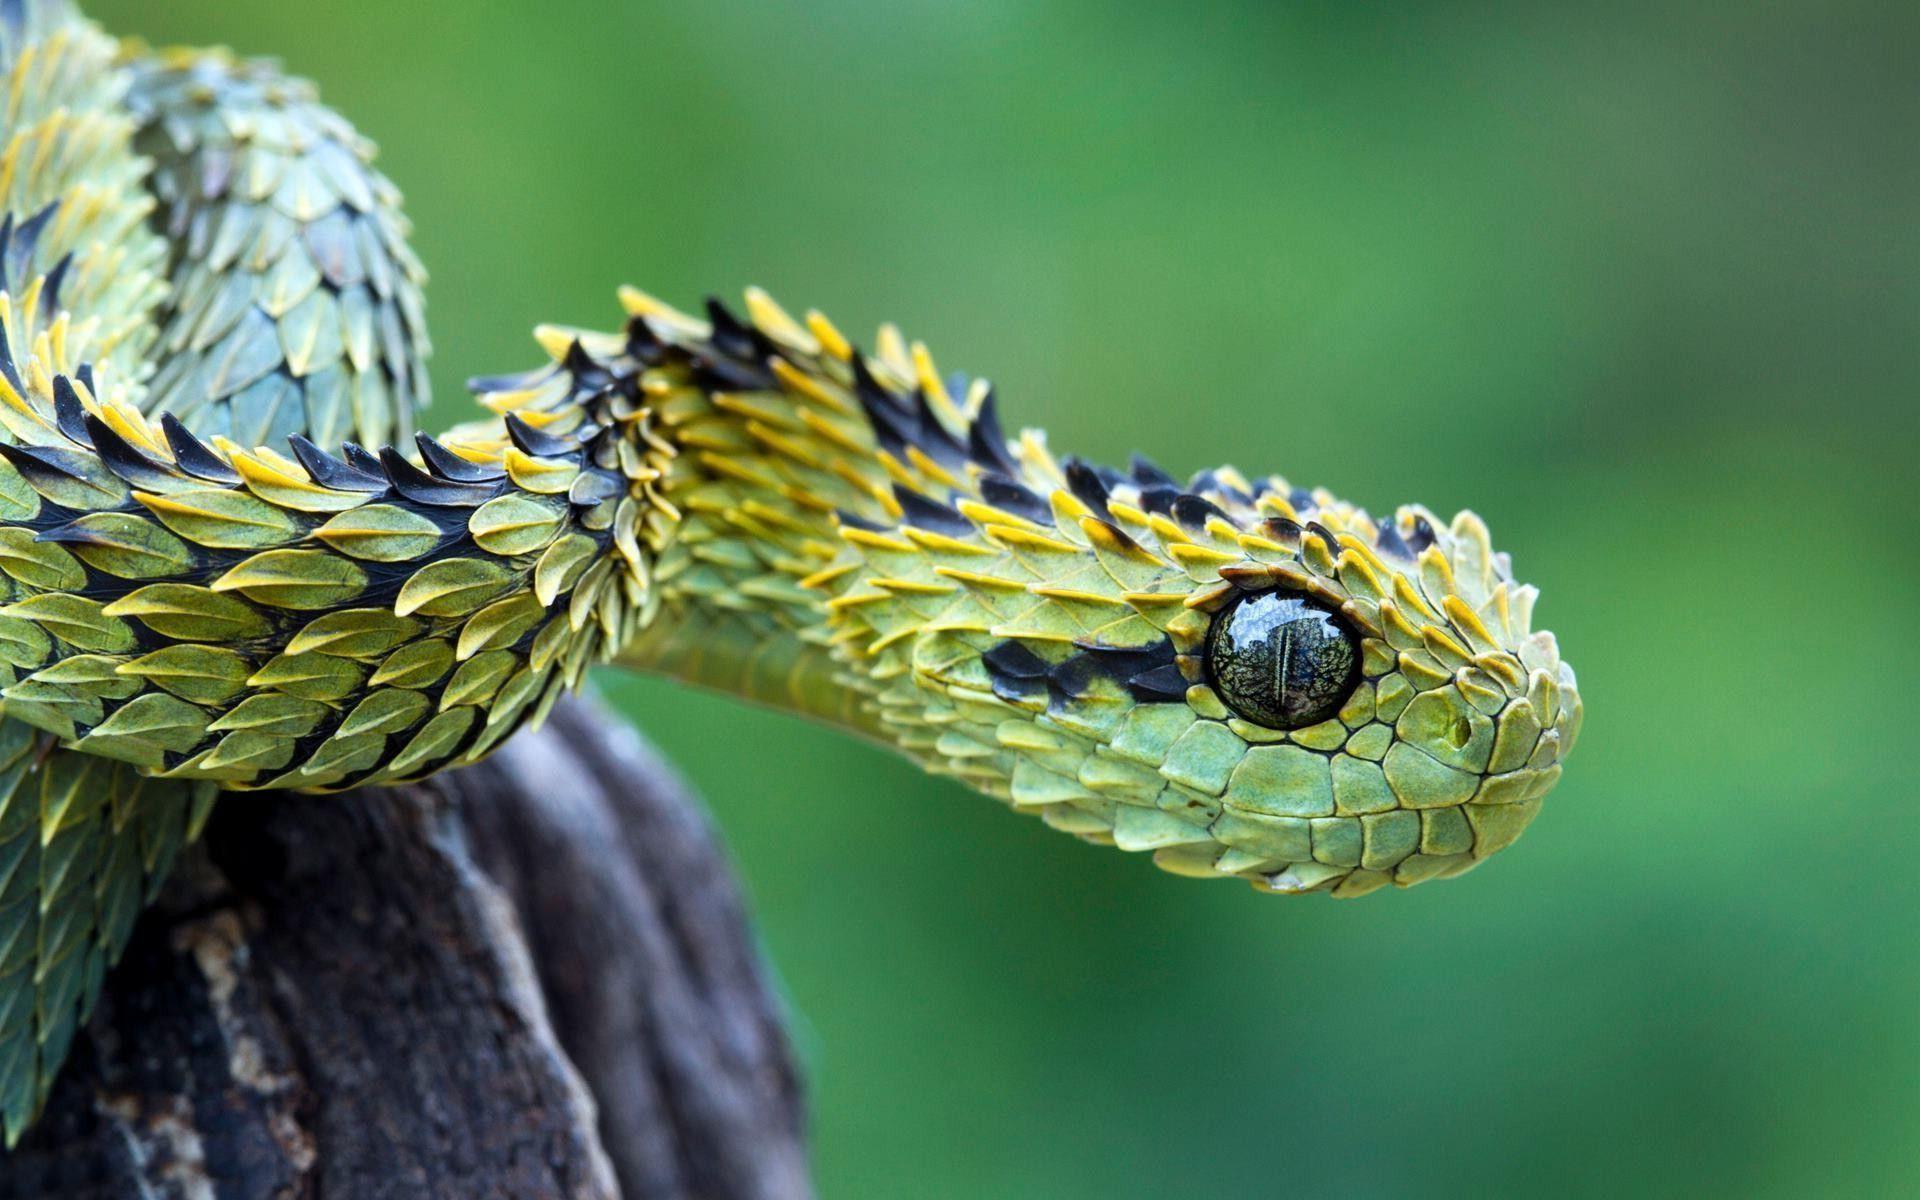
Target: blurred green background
(1635,281)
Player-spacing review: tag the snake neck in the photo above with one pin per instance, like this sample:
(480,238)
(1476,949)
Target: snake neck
(735,514)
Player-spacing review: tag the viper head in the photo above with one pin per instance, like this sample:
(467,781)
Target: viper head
(1366,701)
(1242,677)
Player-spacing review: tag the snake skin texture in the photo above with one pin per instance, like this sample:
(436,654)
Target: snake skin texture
(227,562)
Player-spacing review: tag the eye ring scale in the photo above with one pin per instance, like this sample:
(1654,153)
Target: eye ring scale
(1282,659)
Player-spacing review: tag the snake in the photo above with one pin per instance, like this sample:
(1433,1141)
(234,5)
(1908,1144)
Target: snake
(230,562)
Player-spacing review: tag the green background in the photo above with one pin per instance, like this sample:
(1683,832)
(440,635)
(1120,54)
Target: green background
(1636,281)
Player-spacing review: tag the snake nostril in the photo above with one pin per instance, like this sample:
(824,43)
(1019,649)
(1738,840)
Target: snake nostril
(1460,733)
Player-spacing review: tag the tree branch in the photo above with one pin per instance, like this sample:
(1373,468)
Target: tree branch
(531,979)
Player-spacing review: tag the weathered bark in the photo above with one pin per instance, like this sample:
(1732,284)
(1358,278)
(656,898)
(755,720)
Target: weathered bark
(531,979)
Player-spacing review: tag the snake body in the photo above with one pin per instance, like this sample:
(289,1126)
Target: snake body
(227,563)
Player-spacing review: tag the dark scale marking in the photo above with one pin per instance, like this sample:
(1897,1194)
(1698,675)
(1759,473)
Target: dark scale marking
(335,473)
(1074,676)
(721,374)
(1283,531)
(7,366)
(362,459)
(589,374)
(1125,539)
(936,440)
(1015,691)
(603,449)
(728,334)
(871,393)
(1192,511)
(18,240)
(1162,685)
(56,279)
(1387,538)
(1209,481)
(69,415)
(48,462)
(643,344)
(1015,661)
(924,513)
(855,521)
(1017,673)
(1148,673)
(193,455)
(1005,494)
(1302,500)
(448,465)
(72,534)
(1148,474)
(532,441)
(1085,482)
(899,423)
(421,488)
(986,443)
(124,460)
(1423,536)
(26,238)
(736,338)
(1159,498)
(1325,535)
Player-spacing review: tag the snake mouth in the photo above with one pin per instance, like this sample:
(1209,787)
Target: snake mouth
(1355,855)
(1348,855)
(1402,787)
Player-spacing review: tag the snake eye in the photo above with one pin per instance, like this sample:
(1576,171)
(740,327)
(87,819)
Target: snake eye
(1282,660)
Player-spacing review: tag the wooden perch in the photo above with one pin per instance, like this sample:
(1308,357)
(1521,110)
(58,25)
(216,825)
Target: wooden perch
(531,979)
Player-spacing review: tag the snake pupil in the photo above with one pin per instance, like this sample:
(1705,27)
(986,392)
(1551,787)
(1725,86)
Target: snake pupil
(1282,660)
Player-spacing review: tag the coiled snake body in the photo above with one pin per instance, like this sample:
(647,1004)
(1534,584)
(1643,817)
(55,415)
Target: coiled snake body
(227,563)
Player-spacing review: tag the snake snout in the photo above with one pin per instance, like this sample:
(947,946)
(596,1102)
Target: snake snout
(1368,704)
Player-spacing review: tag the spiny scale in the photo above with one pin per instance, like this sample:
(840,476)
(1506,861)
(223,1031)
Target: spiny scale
(296,302)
